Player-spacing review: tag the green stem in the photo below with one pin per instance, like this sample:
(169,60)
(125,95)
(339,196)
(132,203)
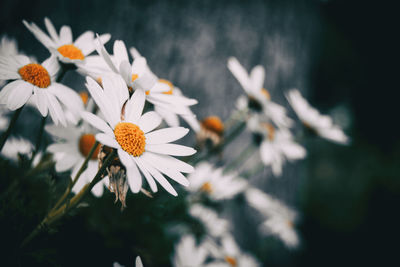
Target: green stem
(253,171)
(5,135)
(38,139)
(66,207)
(241,158)
(78,174)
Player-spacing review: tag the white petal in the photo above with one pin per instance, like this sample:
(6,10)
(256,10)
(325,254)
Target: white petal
(166,135)
(65,35)
(50,28)
(39,34)
(98,189)
(257,77)
(125,158)
(146,173)
(120,52)
(149,121)
(134,106)
(55,109)
(174,163)
(107,140)
(171,149)
(96,122)
(134,178)
(19,95)
(40,100)
(239,72)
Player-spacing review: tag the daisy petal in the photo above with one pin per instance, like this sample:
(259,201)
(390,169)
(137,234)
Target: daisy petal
(134,178)
(125,158)
(149,178)
(50,28)
(107,140)
(19,95)
(170,149)
(120,52)
(173,163)
(65,35)
(96,122)
(166,135)
(55,110)
(257,76)
(149,121)
(134,106)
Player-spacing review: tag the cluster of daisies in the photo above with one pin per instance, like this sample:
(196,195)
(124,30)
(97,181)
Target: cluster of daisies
(128,109)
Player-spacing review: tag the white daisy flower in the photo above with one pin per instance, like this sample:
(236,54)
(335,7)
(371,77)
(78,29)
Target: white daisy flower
(37,81)
(214,225)
(62,44)
(258,98)
(279,219)
(15,146)
(188,254)
(131,133)
(215,184)
(160,93)
(276,146)
(321,124)
(73,146)
(228,254)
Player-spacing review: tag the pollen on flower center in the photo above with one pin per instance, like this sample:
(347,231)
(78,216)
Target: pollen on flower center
(171,86)
(84,96)
(70,51)
(130,138)
(214,124)
(35,74)
(206,187)
(231,261)
(86,143)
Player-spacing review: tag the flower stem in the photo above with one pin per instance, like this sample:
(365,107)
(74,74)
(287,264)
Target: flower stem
(78,174)
(38,139)
(5,135)
(56,214)
(240,159)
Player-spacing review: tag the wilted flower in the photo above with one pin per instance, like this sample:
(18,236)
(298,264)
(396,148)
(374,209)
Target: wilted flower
(211,130)
(311,118)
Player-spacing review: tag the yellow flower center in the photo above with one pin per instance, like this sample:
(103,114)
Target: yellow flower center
(266,93)
(35,74)
(84,96)
(231,261)
(171,86)
(70,51)
(130,138)
(206,187)
(86,143)
(214,124)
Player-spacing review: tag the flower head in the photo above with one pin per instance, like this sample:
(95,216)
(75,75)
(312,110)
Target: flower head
(213,225)
(62,44)
(37,82)
(321,124)
(131,133)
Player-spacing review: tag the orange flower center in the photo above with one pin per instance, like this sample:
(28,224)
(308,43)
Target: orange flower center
(231,261)
(86,143)
(214,124)
(84,96)
(266,93)
(206,187)
(270,130)
(130,138)
(70,51)
(171,86)
(35,74)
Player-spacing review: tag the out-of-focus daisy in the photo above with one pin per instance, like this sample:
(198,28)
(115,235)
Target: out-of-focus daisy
(228,254)
(138,263)
(72,146)
(211,129)
(160,93)
(131,133)
(37,81)
(214,183)
(276,145)
(258,98)
(214,225)
(279,219)
(3,118)
(15,146)
(188,254)
(321,124)
(62,45)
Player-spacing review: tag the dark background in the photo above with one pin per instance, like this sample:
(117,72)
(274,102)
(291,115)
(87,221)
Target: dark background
(338,53)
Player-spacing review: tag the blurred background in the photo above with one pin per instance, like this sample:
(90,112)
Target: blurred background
(340,54)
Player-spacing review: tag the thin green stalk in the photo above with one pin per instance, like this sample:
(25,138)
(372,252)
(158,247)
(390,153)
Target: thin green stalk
(14,119)
(253,171)
(38,139)
(66,207)
(78,174)
(241,158)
